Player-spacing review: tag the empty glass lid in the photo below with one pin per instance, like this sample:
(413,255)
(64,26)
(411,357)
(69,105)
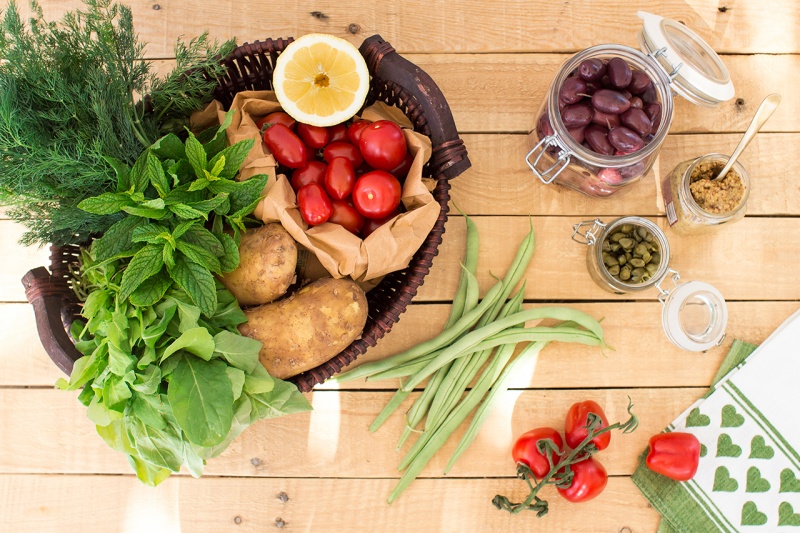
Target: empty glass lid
(695,316)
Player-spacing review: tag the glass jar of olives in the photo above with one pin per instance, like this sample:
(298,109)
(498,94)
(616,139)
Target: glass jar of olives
(609,107)
(631,254)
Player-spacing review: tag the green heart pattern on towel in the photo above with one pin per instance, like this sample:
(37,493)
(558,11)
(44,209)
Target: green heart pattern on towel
(787,516)
(730,418)
(723,482)
(695,419)
(789,482)
(726,447)
(751,516)
(760,449)
(756,483)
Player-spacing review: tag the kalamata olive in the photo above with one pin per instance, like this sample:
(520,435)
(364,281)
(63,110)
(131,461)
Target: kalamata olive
(604,81)
(591,87)
(577,134)
(632,171)
(610,101)
(625,140)
(577,115)
(619,73)
(606,119)
(649,94)
(597,137)
(637,102)
(653,111)
(572,90)
(639,81)
(637,120)
(592,69)
(610,176)
(543,127)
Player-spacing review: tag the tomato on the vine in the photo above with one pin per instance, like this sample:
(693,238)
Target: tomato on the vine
(311,172)
(383,145)
(589,481)
(286,146)
(313,136)
(277,117)
(578,418)
(339,178)
(525,450)
(376,194)
(342,149)
(347,216)
(337,133)
(355,129)
(315,206)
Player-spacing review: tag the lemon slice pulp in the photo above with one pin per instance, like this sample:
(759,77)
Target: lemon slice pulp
(321,80)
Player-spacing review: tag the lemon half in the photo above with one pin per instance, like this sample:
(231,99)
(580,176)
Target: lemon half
(321,80)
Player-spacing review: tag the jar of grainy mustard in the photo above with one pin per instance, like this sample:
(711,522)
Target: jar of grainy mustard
(696,203)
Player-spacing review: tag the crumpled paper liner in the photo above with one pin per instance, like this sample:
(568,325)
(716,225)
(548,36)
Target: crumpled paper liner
(387,249)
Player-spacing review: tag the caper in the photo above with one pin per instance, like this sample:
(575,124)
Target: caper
(649,237)
(613,270)
(626,243)
(637,262)
(651,268)
(626,228)
(617,236)
(606,246)
(646,257)
(638,272)
(655,257)
(640,249)
(641,232)
(631,254)
(609,259)
(621,259)
(625,273)
(615,247)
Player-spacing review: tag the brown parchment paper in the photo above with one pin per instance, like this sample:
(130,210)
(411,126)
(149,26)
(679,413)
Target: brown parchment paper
(339,252)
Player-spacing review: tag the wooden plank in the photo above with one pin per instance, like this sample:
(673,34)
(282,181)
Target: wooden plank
(24,362)
(500,183)
(100,504)
(503,26)
(24,259)
(53,435)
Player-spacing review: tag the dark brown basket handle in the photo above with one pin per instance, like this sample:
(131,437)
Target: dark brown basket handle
(47,298)
(449,153)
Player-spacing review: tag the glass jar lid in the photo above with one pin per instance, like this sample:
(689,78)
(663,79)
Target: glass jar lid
(697,72)
(695,316)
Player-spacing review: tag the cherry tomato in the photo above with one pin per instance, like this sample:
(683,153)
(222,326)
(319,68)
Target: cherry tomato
(342,149)
(313,136)
(355,129)
(278,117)
(376,194)
(383,145)
(577,420)
(589,481)
(315,206)
(286,146)
(311,172)
(372,224)
(401,171)
(347,216)
(337,133)
(525,450)
(339,178)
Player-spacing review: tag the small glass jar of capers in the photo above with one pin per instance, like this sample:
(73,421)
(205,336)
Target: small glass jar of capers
(631,254)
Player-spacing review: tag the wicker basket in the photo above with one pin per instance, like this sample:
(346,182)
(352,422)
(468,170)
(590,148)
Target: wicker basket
(396,82)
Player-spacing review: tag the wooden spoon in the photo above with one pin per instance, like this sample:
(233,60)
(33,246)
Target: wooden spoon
(763,113)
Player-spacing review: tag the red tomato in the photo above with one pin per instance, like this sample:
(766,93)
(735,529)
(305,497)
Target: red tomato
(339,178)
(372,224)
(315,206)
(401,171)
(376,194)
(675,455)
(313,136)
(383,145)
(337,133)
(525,450)
(278,117)
(311,172)
(577,420)
(590,479)
(355,129)
(347,216)
(286,146)
(342,149)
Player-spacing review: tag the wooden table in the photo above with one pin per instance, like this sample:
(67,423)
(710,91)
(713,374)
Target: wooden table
(494,61)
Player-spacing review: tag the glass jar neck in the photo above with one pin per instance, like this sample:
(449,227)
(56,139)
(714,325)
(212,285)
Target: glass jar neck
(691,205)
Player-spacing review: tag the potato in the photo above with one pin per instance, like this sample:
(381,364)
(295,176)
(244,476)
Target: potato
(267,262)
(309,327)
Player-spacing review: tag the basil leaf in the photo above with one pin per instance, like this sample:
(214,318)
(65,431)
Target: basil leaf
(239,351)
(106,204)
(283,399)
(196,340)
(202,399)
(156,446)
(147,473)
(146,263)
(115,393)
(197,282)
(236,376)
(148,409)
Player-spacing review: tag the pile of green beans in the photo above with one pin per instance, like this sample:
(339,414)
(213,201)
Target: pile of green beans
(479,340)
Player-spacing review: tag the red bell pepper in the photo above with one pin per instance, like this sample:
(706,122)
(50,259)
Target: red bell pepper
(674,455)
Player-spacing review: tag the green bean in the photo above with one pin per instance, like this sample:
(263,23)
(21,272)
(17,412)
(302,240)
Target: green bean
(514,274)
(470,340)
(398,398)
(422,404)
(461,300)
(405,369)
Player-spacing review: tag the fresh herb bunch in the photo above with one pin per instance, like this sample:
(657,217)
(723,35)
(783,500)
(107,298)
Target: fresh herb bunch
(166,376)
(70,100)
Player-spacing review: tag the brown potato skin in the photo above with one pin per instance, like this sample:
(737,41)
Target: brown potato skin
(309,327)
(267,263)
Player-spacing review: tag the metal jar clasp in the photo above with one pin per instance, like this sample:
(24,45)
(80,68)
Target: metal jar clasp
(549,174)
(590,237)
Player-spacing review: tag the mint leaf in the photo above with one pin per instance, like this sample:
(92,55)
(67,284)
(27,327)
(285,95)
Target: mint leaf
(249,192)
(185,212)
(182,195)
(116,239)
(152,290)
(146,263)
(234,156)
(182,228)
(138,175)
(169,147)
(122,171)
(196,155)
(200,255)
(197,282)
(211,204)
(201,397)
(155,173)
(151,233)
(217,164)
(220,139)
(200,236)
(229,259)
(196,340)
(106,203)
(146,212)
